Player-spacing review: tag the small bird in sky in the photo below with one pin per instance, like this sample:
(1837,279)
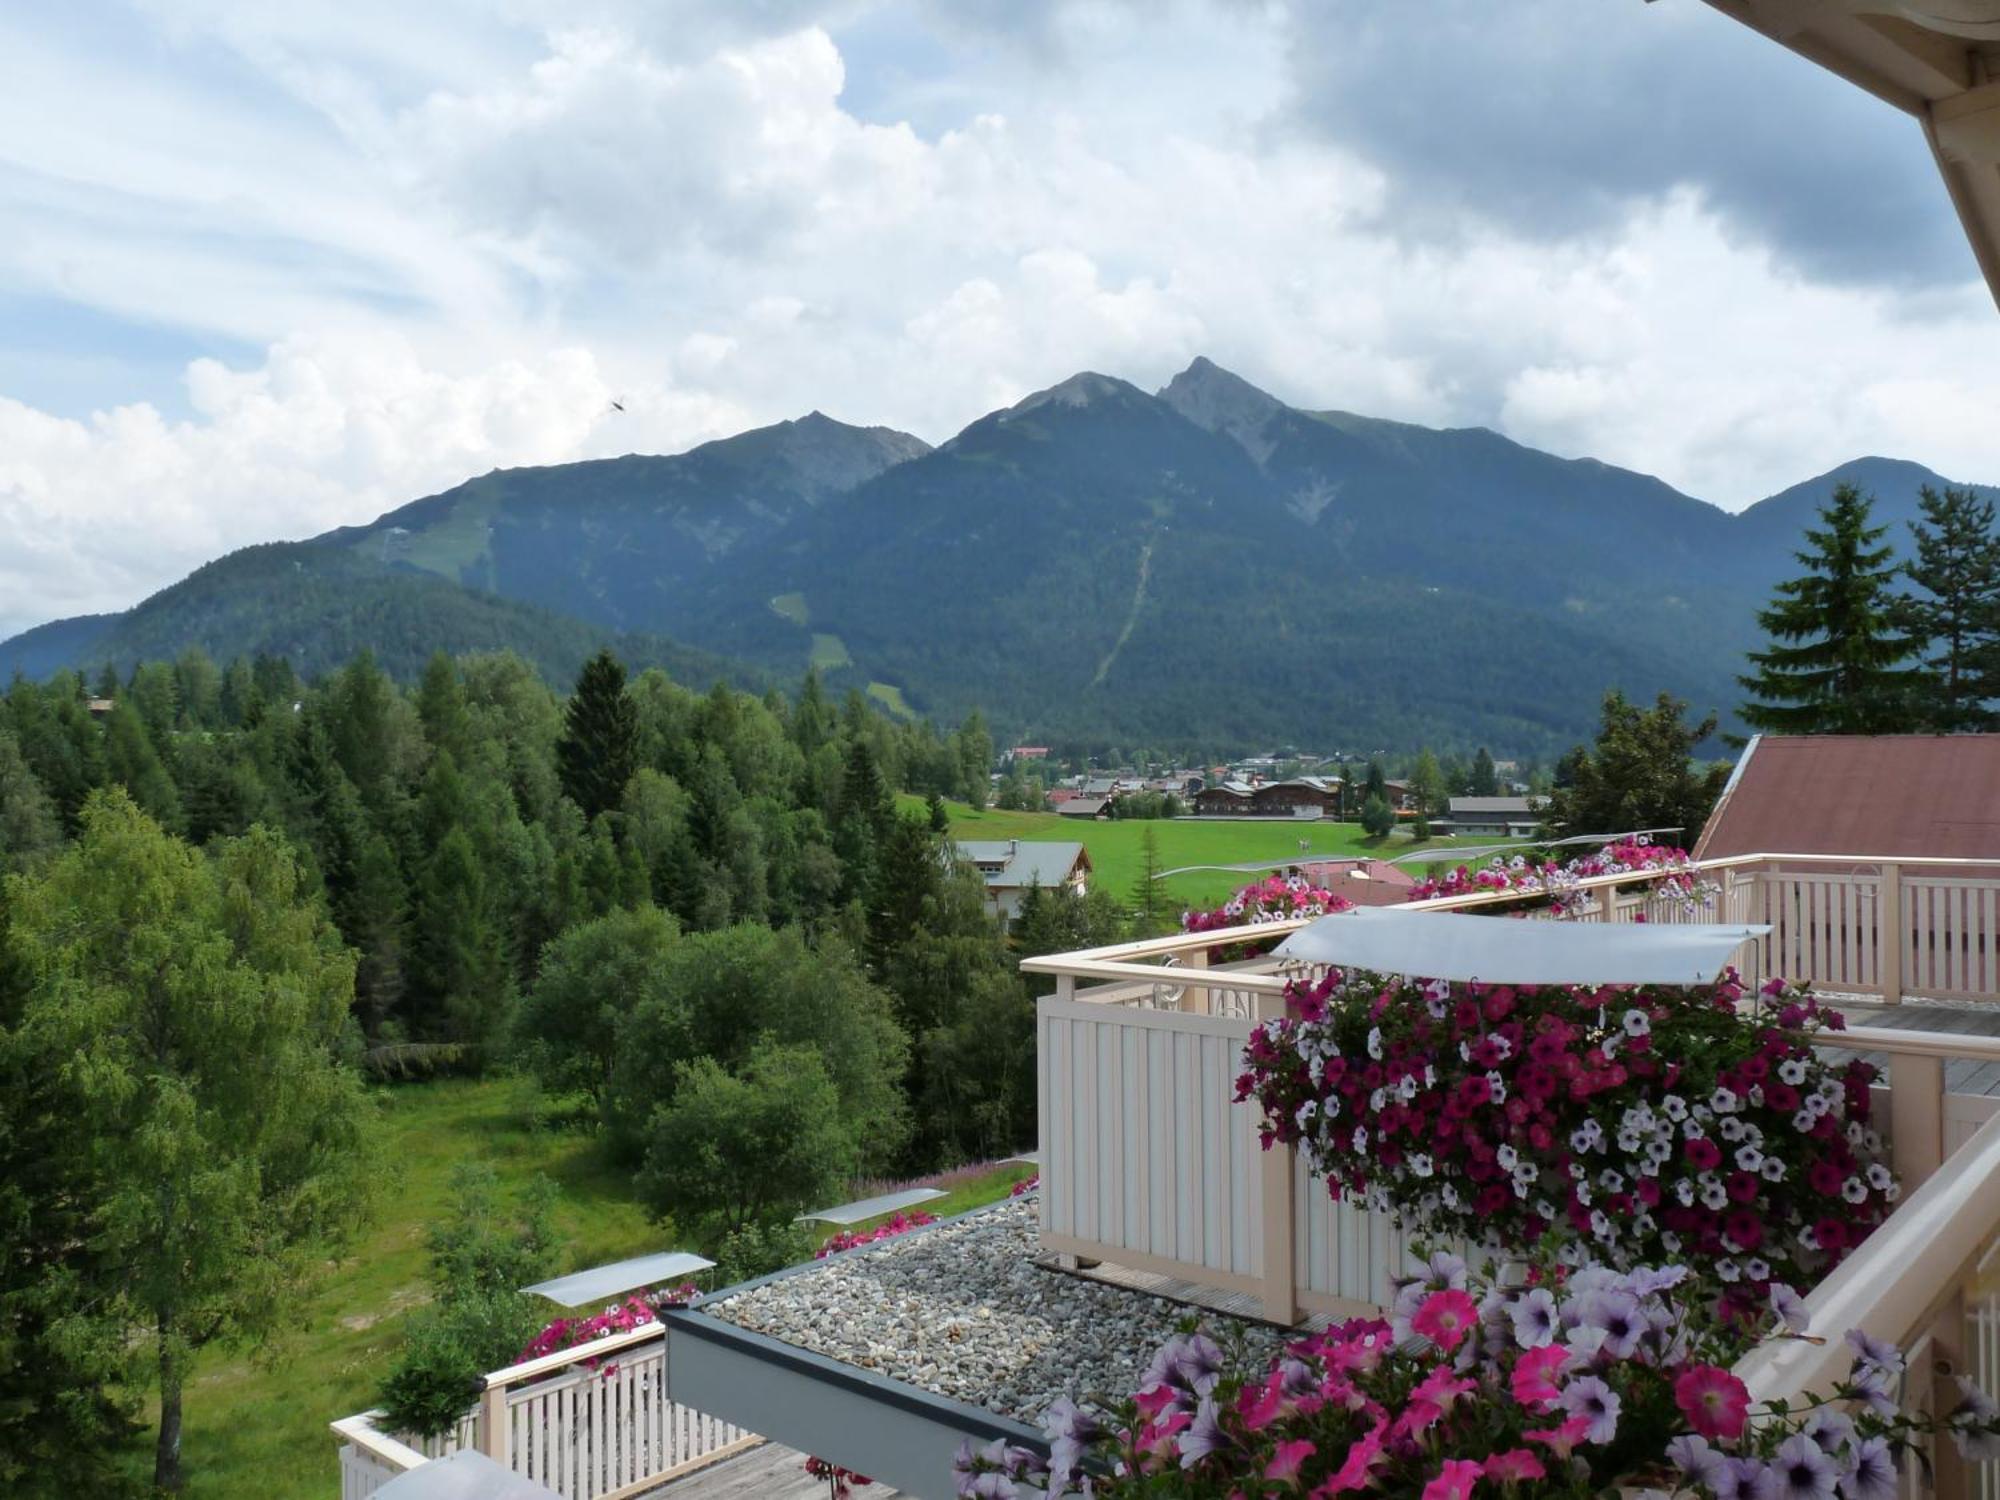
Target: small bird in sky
(618,406)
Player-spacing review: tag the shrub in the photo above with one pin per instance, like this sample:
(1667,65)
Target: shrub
(446,1349)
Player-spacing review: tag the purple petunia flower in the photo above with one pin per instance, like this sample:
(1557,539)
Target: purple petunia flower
(1744,1479)
(1594,1401)
(1870,1473)
(1789,1307)
(1535,1318)
(1803,1471)
(1202,1436)
(1700,1463)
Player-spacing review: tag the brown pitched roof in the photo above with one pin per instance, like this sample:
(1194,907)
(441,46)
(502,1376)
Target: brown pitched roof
(1894,795)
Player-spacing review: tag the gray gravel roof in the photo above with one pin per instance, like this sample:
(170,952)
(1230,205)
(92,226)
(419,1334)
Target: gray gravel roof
(963,1311)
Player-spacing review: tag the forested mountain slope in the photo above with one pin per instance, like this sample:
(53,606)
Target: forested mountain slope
(1096,564)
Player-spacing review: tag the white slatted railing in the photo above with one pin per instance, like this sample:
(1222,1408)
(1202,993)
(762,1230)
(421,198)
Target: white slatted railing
(591,1423)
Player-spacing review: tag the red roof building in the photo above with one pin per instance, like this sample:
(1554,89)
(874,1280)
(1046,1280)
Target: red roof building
(1886,796)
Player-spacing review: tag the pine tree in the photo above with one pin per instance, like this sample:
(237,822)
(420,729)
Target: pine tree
(940,817)
(599,748)
(1428,785)
(131,759)
(1484,780)
(1835,662)
(1146,902)
(458,950)
(441,707)
(1958,614)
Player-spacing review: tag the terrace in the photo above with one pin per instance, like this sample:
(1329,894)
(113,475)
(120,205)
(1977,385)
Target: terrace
(1155,1195)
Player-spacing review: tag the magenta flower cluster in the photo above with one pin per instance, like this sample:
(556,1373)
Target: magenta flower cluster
(1635,1124)
(633,1312)
(1276,898)
(1562,1383)
(849,1239)
(1673,871)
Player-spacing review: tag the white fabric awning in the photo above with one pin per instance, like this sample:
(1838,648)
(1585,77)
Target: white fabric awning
(1501,950)
(872,1208)
(582,1288)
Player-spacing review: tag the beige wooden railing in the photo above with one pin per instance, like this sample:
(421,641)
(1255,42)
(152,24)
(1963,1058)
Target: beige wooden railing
(600,1433)
(1149,1163)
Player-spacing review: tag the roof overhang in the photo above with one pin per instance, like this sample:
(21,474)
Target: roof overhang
(1936,60)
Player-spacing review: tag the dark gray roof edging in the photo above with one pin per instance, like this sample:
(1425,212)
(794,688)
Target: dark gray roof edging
(973,1421)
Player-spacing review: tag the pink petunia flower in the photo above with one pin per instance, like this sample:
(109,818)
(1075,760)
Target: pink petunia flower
(1446,1317)
(1288,1460)
(1714,1401)
(1357,1470)
(1532,1381)
(1455,1482)
(1515,1466)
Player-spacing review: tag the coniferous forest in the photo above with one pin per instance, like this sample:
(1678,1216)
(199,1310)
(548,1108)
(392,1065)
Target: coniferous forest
(699,920)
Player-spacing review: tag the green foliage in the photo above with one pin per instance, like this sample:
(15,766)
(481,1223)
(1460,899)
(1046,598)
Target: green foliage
(592,978)
(1483,780)
(481,1255)
(1427,783)
(199,1004)
(758,1249)
(1956,614)
(599,747)
(1377,816)
(1639,775)
(1834,664)
(30,827)
(62,1410)
(750,1147)
(1146,900)
(719,995)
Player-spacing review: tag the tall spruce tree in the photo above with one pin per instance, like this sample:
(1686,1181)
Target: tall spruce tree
(1835,664)
(1484,779)
(1957,614)
(599,748)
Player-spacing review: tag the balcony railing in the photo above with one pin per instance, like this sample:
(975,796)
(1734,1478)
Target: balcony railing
(1148,1162)
(591,1423)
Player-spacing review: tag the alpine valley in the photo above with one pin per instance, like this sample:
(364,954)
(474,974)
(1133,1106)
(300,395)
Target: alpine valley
(1201,567)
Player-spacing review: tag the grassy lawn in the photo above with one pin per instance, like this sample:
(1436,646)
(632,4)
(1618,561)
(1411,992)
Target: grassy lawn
(1115,852)
(256,1427)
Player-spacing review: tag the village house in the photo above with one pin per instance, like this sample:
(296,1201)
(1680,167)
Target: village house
(1010,866)
(1494,817)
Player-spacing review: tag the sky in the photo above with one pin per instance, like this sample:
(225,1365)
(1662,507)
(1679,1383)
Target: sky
(267,269)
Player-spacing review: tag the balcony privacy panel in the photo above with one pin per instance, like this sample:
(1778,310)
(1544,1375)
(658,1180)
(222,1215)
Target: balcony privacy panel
(1143,1149)
(1345,1254)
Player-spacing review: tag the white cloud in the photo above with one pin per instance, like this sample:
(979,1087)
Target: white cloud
(457,255)
(325,432)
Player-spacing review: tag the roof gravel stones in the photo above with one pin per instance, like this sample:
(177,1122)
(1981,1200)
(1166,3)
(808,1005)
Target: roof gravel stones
(963,1311)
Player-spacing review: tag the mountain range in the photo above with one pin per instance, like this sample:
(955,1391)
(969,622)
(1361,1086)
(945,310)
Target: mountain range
(1203,566)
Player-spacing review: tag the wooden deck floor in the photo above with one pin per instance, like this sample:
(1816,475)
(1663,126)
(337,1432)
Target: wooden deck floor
(1960,1077)
(767,1472)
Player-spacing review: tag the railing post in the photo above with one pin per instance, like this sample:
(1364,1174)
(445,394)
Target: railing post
(1278,1170)
(1195,998)
(1916,1117)
(493,1435)
(1891,933)
(1607,902)
(1951,1351)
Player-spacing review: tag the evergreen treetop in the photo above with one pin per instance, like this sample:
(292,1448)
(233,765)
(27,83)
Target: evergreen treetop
(1835,662)
(599,748)
(1957,614)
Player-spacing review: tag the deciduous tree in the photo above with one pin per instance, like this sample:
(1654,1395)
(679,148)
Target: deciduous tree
(196,1005)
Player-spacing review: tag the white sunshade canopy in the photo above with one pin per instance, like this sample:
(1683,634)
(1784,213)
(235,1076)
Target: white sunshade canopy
(873,1208)
(1498,950)
(583,1288)
(464,1475)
